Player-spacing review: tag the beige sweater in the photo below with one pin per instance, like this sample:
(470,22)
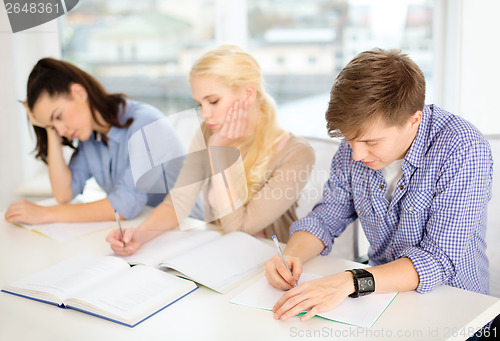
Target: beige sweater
(272,207)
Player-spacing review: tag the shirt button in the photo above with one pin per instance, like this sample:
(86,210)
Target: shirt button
(392,243)
(389,213)
(412,208)
(401,187)
(382,186)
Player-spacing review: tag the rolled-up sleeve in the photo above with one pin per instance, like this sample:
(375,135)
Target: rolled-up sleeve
(335,211)
(457,217)
(125,195)
(125,198)
(80,171)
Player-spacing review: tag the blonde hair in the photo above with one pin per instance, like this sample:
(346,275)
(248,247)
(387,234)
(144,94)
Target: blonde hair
(235,68)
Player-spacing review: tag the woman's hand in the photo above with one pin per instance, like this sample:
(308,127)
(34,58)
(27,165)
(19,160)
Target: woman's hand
(31,118)
(277,274)
(233,127)
(126,246)
(24,211)
(314,297)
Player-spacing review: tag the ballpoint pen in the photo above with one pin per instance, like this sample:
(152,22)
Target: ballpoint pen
(120,227)
(282,255)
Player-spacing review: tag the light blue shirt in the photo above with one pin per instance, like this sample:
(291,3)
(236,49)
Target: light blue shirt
(437,217)
(110,164)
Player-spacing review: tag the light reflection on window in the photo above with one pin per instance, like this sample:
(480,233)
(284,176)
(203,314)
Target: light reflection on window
(145,48)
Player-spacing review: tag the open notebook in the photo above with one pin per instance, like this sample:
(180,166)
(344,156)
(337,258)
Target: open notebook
(219,262)
(362,311)
(65,231)
(106,287)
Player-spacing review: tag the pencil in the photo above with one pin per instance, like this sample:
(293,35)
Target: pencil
(120,227)
(282,255)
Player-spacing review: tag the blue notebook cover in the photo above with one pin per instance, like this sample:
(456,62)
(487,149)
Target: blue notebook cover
(97,315)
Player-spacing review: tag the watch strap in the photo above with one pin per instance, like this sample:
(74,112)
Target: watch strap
(359,275)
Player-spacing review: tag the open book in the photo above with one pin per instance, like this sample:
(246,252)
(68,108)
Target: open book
(106,287)
(219,262)
(362,311)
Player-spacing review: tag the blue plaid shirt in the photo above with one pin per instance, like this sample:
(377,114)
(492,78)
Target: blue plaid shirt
(437,217)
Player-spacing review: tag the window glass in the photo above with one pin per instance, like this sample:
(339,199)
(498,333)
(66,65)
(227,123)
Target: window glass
(146,48)
(139,47)
(302,46)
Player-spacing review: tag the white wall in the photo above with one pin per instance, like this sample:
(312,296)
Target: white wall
(467,52)
(231,22)
(480,51)
(20,51)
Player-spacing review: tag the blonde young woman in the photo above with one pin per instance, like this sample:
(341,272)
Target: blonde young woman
(227,84)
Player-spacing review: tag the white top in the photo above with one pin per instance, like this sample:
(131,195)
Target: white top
(392,173)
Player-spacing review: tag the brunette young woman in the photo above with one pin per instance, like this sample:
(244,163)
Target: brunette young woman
(68,107)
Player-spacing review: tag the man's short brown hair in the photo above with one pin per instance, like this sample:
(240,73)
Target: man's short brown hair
(376,83)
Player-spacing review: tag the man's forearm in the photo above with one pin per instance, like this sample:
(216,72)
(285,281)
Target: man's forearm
(304,245)
(398,275)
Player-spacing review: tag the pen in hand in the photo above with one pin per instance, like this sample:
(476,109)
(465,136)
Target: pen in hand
(282,256)
(120,227)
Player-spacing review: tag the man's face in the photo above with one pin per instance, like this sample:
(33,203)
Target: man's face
(380,145)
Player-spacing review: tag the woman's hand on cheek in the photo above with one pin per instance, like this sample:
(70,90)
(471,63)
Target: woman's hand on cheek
(234,125)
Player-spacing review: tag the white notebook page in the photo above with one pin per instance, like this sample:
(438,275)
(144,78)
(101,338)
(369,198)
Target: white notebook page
(362,311)
(222,262)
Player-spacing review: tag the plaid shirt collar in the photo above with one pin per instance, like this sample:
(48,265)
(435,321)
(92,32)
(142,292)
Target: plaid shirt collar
(422,142)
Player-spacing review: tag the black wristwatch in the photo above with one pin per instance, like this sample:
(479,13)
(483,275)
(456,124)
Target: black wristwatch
(364,284)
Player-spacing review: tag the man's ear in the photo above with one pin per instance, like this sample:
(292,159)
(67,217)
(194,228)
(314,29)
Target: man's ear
(415,119)
(78,91)
(250,93)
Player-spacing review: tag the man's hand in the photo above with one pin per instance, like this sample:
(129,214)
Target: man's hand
(277,274)
(314,297)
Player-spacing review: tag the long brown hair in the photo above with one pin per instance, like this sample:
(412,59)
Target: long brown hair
(55,78)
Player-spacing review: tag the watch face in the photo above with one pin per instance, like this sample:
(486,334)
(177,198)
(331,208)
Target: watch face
(365,284)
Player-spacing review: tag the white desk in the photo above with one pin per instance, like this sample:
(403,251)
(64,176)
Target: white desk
(207,315)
